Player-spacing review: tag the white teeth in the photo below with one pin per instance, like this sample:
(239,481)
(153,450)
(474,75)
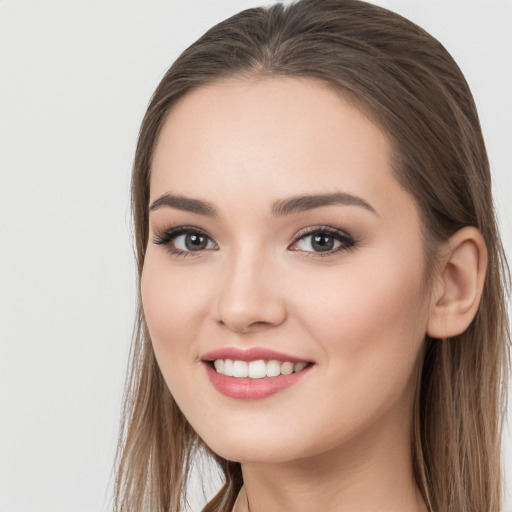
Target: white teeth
(240,369)
(273,368)
(256,369)
(287,368)
(228,368)
(299,366)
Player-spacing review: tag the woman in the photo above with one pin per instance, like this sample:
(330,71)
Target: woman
(321,277)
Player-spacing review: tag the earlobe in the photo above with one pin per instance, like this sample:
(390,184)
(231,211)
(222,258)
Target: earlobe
(462,269)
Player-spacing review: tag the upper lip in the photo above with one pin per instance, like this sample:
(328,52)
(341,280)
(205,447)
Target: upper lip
(250,354)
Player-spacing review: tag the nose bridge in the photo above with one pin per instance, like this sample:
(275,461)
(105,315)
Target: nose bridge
(249,295)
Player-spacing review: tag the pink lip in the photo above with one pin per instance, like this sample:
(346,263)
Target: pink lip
(252,389)
(250,354)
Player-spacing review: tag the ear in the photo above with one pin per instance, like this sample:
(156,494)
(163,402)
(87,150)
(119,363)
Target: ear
(457,292)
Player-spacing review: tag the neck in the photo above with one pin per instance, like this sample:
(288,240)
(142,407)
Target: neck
(372,472)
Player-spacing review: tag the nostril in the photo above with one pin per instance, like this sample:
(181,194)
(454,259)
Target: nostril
(242,325)
(249,304)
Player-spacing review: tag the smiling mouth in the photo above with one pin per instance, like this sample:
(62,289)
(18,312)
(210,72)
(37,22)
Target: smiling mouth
(255,373)
(258,369)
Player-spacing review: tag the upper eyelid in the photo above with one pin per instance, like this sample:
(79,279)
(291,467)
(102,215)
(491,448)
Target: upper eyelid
(178,230)
(170,233)
(321,229)
(346,240)
(302,232)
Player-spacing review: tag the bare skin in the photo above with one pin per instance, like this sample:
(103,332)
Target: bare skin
(353,305)
(357,485)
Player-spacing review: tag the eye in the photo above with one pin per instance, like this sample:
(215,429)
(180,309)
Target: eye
(192,242)
(325,240)
(184,240)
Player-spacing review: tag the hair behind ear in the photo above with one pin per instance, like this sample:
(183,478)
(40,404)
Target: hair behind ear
(461,395)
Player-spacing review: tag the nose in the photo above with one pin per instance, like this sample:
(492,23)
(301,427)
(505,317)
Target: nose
(250,296)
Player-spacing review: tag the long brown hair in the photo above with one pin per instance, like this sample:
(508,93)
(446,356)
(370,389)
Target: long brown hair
(411,86)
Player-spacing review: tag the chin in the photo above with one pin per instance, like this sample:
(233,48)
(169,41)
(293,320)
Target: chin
(252,446)
(252,453)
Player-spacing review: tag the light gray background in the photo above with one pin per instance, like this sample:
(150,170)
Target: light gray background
(75,78)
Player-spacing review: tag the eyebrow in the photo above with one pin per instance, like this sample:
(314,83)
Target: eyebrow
(310,202)
(186,204)
(280,208)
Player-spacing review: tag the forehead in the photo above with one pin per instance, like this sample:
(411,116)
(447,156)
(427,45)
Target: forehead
(269,138)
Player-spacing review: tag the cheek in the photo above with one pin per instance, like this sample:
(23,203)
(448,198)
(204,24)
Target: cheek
(369,325)
(369,317)
(171,303)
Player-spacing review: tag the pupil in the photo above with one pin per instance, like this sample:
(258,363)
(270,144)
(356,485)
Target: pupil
(195,242)
(323,243)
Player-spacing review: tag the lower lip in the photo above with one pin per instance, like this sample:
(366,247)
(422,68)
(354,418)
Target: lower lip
(252,389)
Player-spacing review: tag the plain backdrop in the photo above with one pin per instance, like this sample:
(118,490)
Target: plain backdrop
(75,78)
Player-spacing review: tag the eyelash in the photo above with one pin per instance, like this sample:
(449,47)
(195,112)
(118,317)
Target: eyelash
(168,236)
(347,242)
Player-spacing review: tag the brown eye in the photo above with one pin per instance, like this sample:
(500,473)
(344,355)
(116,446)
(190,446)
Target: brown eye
(324,241)
(184,240)
(194,242)
(321,243)
(191,241)
(318,242)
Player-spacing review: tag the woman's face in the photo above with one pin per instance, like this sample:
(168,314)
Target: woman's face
(279,236)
